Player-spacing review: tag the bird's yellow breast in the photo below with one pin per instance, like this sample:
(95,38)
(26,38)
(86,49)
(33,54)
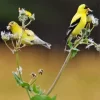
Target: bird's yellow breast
(80,25)
(16,29)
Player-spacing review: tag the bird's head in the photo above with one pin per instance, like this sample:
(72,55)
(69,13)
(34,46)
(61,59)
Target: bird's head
(83,8)
(11,25)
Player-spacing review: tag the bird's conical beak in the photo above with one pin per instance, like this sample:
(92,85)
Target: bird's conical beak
(89,10)
(8,27)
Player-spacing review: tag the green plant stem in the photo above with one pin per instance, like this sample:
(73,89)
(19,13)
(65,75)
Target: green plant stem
(17,61)
(60,72)
(78,42)
(92,28)
(8,46)
(28,23)
(33,81)
(28,93)
(63,67)
(13,43)
(23,25)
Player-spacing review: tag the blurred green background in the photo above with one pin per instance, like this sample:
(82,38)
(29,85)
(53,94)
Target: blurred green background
(81,78)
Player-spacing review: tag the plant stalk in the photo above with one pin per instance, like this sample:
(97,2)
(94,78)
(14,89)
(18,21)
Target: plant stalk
(28,23)
(60,72)
(63,67)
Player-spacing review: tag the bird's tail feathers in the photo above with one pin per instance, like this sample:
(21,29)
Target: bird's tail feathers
(39,41)
(67,34)
(47,45)
(66,39)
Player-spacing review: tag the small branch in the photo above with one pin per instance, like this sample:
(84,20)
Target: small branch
(28,93)
(63,67)
(13,43)
(23,24)
(24,45)
(92,28)
(28,23)
(8,46)
(32,81)
(60,72)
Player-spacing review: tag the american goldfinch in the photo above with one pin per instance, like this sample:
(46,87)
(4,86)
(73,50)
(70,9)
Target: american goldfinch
(28,37)
(78,22)
(27,13)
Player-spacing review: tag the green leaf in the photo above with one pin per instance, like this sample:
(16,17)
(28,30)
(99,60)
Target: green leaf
(21,83)
(70,44)
(85,41)
(17,78)
(41,97)
(54,98)
(37,89)
(74,52)
(26,86)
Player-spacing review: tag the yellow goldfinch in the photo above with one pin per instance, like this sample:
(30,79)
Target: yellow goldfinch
(28,37)
(78,21)
(27,13)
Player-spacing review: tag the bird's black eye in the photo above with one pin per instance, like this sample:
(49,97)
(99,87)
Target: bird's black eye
(32,41)
(86,7)
(28,34)
(12,22)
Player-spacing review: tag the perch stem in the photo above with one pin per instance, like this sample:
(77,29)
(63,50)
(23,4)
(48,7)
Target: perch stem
(60,72)
(28,23)
(63,67)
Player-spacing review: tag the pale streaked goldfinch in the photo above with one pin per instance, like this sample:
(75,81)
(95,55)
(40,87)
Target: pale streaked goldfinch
(28,37)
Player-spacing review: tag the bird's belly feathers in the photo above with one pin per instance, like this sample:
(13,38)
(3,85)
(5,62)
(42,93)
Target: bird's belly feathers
(80,26)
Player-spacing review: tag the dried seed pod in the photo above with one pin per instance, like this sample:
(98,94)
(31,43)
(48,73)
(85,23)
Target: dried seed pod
(40,71)
(33,74)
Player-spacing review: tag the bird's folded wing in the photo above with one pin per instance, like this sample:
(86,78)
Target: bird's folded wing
(72,26)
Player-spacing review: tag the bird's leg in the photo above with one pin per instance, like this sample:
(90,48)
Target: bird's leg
(81,33)
(92,28)
(17,48)
(78,37)
(18,43)
(88,26)
(24,45)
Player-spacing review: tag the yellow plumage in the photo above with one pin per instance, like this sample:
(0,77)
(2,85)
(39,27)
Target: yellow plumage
(28,37)
(78,21)
(28,13)
(80,25)
(26,34)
